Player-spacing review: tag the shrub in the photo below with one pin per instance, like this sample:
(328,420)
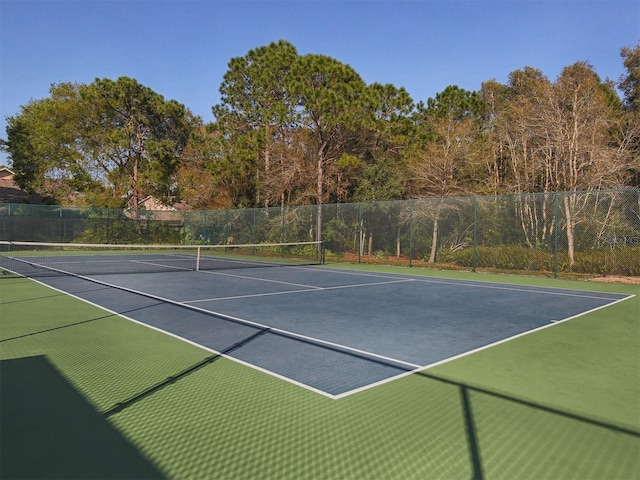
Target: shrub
(604,261)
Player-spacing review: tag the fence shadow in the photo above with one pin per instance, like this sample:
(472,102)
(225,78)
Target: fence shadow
(50,431)
(516,438)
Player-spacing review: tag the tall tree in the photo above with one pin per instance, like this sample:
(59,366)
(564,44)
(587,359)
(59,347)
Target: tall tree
(330,99)
(630,86)
(382,143)
(579,154)
(516,128)
(442,165)
(630,82)
(135,136)
(558,136)
(201,183)
(496,159)
(256,110)
(116,137)
(42,143)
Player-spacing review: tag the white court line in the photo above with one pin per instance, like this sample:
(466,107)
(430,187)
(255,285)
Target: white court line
(524,289)
(243,321)
(161,265)
(473,283)
(311,340)
(52,260)
(311,289)
(552,323)
(258,279)
(415,368)
(186,340)
(214,299)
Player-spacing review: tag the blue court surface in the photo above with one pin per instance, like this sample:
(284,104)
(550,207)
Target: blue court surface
(332,331)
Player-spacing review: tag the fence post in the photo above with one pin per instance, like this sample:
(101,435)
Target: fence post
(360,232)
(107,230)
(61,226)
(283,231)
(147,214)
(475,233)
(10,224)
(227,227)
(410,233)
(282,224)
(253,226)
(202,228)
(183,230)
(555,235)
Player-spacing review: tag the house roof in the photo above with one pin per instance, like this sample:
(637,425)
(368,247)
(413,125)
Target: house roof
(6,173)
(11,193)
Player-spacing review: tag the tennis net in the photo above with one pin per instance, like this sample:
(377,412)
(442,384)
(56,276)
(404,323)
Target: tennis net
(33,259)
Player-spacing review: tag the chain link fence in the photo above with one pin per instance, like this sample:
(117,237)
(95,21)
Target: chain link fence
(595,233)
(46,223)
(569,232)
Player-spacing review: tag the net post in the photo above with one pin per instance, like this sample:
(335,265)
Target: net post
(323,257)
(198,259)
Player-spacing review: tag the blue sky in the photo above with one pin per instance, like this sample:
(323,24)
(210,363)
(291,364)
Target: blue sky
(181,48)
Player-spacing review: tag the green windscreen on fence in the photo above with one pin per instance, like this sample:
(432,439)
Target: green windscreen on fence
(595,232)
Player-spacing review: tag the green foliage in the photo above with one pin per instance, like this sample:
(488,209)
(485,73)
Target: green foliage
(303,251)
(338,235)
(513,258)
(255,111)
(122,230)
(135,135)
(454,103)
(301,129)
(41,142)
(382,179)
(604,261)
(106,137)
(630,83)
(623,261)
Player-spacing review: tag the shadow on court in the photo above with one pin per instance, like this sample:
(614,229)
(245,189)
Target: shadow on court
(496,426)
(50,431)
(120,406)
(69,325)
(503,431)
(30,299)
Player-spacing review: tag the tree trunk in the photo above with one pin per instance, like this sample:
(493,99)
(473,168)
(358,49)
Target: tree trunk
(434,235)
(319,199)
(133,181)
(568,212)
(267,166)
(434,241)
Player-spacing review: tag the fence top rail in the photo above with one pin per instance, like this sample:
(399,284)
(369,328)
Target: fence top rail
(143,212)
(10,243)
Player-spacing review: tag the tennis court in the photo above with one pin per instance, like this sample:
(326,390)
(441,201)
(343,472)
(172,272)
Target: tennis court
(310,371)
(335,332)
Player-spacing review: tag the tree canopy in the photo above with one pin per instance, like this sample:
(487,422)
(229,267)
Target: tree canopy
(299,129)
(107,142)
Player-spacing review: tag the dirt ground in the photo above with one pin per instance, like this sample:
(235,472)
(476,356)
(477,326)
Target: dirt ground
(614,279)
